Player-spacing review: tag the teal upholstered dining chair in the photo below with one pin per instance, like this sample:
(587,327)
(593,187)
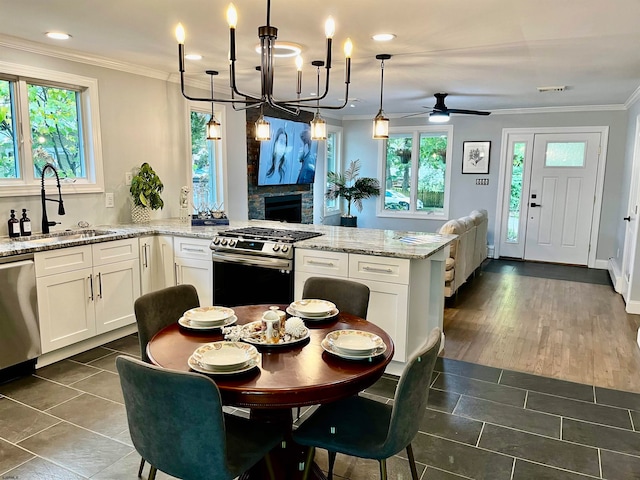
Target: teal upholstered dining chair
(176,422)
(364,428)
(348,296)
(157,310)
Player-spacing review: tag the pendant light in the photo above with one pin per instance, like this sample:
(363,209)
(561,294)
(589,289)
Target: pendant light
(318,125)
(263,128)
(214,130)
(381,123)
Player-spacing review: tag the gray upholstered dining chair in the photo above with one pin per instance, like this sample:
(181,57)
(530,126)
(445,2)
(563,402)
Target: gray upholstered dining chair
(157,310)
(349,297)
(176,422)
(364,428)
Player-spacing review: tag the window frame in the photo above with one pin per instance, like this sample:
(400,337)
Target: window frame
(219,147)
(90,132)
(415,132)
(337,131)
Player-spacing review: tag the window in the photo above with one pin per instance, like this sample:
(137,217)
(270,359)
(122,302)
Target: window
(518,154)
(48,117)
(333,163)
(206,163)
(416,173)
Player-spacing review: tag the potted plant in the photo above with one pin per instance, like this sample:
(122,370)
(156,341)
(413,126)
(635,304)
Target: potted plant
(352,189)
(145,191)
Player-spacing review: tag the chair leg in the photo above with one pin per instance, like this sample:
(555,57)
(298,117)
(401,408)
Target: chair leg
(383,469)
(412,462)
(152,473)
(332,461)
(308,462)
(141,467)
(267,461)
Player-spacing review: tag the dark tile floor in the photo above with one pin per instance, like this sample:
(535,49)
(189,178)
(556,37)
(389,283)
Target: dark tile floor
(68,422)
(548,270)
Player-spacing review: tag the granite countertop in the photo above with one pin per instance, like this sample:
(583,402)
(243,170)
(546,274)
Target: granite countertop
(389,243)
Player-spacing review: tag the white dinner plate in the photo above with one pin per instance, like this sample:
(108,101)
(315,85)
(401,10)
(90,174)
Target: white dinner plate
(326,345)
(209,314)
(294,313)
(313,307)
(195,365)
(224,355)
(354,342)
(189,325)
(251,334)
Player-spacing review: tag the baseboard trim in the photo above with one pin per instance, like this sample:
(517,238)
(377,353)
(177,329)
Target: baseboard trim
(638,339)
(602,264)
(615,274)
(633,307)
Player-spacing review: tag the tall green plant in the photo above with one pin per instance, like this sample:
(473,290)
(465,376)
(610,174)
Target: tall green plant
(352,188)
(146,188)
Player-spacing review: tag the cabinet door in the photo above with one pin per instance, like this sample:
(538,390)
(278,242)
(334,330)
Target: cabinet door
(116,286)
(66,308)
(147,262)
(166,272)
(198,273)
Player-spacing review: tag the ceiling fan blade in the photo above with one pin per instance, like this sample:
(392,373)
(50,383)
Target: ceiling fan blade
(415,114)
(467,112)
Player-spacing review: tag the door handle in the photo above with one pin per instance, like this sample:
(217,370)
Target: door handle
(627,219)
(533,204)
(91,287)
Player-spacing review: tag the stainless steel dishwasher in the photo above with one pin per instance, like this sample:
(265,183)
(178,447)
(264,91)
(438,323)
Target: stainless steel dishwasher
(19,326)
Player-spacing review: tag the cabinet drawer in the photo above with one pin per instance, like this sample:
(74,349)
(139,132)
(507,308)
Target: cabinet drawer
(62,260)
(116,251)
(383,269)
(192,248)
(325,263)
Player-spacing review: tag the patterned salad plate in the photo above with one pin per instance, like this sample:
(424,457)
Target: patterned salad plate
(189,325)
(224,357)
(312,307)
(353,344)
(208,316)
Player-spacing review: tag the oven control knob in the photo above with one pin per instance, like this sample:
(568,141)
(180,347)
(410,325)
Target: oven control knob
(232,242)
(216,240)
(285,248)
(223,242)
(276,247)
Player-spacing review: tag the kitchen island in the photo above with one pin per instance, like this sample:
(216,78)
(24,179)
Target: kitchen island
(404,270)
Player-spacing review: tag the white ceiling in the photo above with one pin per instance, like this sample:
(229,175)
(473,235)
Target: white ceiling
(488,55)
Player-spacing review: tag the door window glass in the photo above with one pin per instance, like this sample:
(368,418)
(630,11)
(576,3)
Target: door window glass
(515,200)
(565,154)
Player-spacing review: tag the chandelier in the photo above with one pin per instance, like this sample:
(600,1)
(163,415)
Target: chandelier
(239,100)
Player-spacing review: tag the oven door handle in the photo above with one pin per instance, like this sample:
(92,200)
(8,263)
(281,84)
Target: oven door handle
(251,260)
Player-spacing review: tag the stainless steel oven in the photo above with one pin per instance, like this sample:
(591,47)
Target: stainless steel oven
(254,265)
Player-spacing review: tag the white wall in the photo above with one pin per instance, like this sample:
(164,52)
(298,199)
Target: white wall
(466,196)
(142,119)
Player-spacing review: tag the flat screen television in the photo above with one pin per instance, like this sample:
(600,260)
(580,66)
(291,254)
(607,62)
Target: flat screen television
(290,156)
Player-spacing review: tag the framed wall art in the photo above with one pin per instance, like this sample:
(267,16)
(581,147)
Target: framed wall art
(475,157)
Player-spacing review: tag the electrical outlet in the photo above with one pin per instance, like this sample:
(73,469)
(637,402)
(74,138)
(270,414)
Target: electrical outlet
(482,181)
(108,200)
(128,176)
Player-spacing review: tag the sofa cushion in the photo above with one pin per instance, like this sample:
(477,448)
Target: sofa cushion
(478,216)
(467,222)
(452,227)
(449,263)
(449,275)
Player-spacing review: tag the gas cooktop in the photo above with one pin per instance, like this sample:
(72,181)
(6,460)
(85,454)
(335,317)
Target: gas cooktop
(270,234)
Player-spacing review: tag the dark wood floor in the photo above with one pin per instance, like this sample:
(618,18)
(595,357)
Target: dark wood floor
(557,321)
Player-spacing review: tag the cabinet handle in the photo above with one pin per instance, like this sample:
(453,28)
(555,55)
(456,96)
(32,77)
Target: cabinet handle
(91,286)
(324,264)
(199,250)
(377,270)
(177,276)
(100,285)
(144,251)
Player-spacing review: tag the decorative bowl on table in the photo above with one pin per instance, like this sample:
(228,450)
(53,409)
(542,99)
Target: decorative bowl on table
(353,344)
(224,358)
(211,316)
(312,309)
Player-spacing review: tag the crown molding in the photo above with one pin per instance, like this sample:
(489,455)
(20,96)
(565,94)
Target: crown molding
(635,96)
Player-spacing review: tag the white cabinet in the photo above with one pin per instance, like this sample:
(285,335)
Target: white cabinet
(193,266)
(401,300)
(156,263)
(85,291)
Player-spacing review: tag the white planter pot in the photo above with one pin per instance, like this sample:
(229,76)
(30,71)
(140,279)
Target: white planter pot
(140,214)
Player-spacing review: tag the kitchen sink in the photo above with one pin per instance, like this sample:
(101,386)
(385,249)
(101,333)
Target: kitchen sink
(67,236)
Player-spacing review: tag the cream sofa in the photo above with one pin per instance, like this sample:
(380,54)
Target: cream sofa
(468,251)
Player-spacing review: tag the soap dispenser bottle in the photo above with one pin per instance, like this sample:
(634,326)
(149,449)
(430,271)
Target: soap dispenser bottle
(14,225)
(25,224)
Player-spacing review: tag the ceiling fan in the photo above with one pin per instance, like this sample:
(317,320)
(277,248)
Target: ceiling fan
(440,112)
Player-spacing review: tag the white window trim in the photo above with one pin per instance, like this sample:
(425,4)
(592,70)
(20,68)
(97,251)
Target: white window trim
(328,212)
(219,145)
(416,131)
(92,139)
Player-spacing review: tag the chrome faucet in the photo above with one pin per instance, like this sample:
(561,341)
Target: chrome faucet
(45,221)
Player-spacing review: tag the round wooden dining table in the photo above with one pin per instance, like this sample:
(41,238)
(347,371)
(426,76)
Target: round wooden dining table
(287,376)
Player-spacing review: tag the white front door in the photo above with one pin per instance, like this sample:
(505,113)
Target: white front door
(631,229)
(561,197)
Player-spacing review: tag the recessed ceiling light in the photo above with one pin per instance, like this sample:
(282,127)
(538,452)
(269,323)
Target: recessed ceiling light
(284,49)
(193,56)
(58,35)
(383,37)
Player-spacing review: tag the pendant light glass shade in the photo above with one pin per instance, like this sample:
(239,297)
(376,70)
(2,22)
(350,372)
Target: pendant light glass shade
(381,123)
(318,128)
(263,129)
(380,127)
(214,129)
